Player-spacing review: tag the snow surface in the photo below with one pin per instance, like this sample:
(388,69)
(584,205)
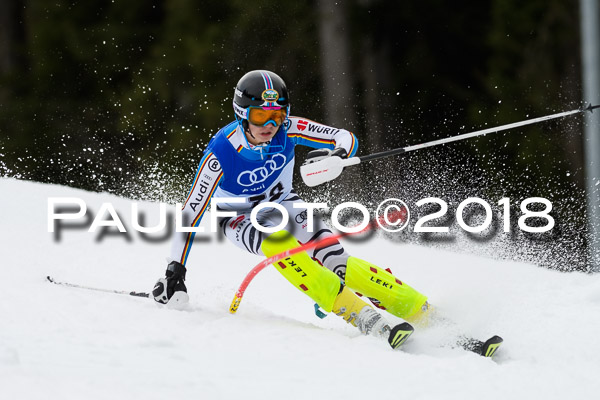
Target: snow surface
(65,343)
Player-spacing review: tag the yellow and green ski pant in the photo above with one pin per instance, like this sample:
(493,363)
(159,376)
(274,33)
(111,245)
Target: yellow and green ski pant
(323,286)
(305,270)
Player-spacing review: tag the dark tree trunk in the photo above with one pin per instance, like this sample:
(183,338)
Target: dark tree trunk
(336,64)
(11,34)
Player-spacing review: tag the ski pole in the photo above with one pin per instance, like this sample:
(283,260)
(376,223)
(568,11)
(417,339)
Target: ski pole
(330,168)
(237,299)
(136,294)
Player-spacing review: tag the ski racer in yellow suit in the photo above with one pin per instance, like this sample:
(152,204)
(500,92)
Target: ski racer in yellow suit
(252,159)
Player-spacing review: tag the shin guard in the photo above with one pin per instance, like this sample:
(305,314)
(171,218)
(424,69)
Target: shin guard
(397,297)
(317,282)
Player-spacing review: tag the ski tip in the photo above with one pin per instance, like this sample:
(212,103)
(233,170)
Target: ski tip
(399,334)
(490,346)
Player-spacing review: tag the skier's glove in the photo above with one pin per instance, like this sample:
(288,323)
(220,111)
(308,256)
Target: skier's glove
(172,283)
(321,154)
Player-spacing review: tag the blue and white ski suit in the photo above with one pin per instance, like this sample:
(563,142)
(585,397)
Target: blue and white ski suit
(230,169)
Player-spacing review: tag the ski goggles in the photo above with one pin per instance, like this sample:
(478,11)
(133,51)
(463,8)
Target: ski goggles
(263,116)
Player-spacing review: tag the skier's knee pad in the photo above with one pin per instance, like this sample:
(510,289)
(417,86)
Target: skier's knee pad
(397,297)
(317,282)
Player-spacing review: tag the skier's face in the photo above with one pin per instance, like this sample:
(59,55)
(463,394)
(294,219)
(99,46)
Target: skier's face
(261,134)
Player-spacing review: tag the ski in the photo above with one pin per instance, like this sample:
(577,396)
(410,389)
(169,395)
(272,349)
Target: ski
(73,285)
(399,334)
(484,348)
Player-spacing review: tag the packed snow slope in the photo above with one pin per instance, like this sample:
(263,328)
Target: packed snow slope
(64,343)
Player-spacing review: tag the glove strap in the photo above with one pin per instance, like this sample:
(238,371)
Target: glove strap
(176,270)
(320,154)
(339,152)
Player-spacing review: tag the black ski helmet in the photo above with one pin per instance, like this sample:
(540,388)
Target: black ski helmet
(259,88)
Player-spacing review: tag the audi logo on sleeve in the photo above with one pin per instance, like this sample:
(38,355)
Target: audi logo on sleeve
(260,174)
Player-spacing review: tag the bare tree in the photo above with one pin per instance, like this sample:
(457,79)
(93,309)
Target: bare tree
(10,34)
(336,63)
(375,75)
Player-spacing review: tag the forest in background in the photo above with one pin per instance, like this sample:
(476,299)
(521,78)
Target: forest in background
(122,96)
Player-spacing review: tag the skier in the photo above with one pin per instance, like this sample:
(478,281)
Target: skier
(252,159)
